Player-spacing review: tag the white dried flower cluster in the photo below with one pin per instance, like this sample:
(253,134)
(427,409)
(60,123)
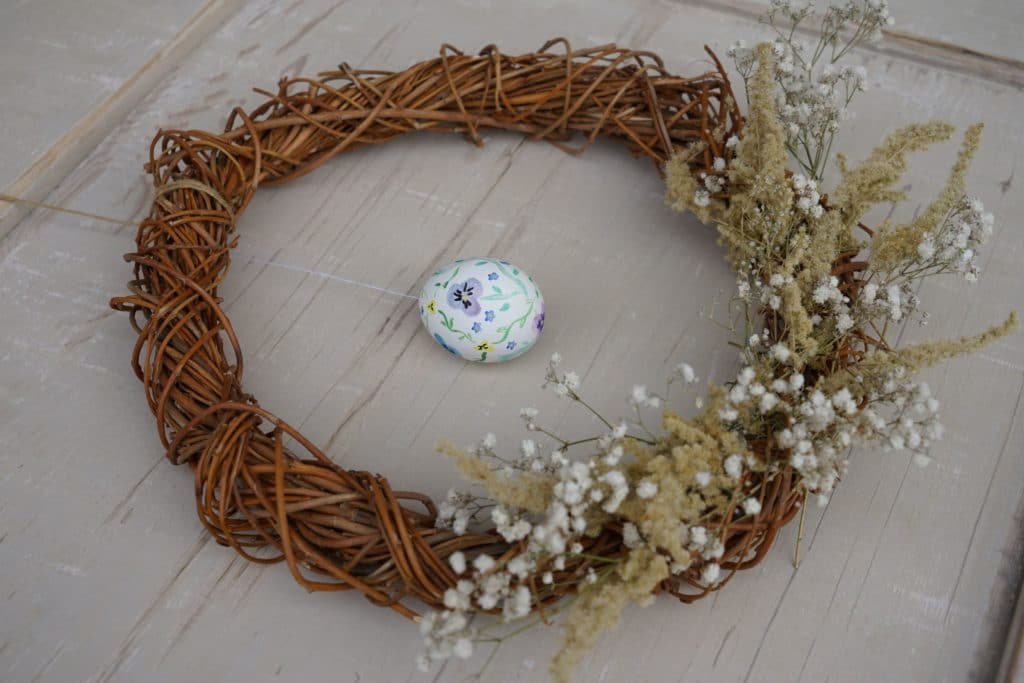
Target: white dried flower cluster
(794,12)
(954,246)
(445,634)
(818,428)
(862,16)
(564,385)
(512,525)
(807,198)
(456,511)
(762,395)
(836,306)
(709,546)
(584,490)
(814,91)
(768,293)
(684,372)
(448,632)
(583,487)
(895,301)
(904,416)
(639,397)
(713,183)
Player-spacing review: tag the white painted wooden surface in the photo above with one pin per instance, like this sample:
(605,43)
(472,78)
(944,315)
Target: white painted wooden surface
(61,62)
(989,27)
(69,75)
(106,575)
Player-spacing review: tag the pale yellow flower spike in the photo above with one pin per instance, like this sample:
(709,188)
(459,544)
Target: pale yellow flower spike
(925,354)
(529,491)
(873,180)
(891,247)
(597,609)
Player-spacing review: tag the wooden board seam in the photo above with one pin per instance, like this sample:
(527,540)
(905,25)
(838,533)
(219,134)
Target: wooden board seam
(907,46)
(69,150)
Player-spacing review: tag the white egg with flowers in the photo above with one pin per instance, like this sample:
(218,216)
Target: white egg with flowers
(482,309)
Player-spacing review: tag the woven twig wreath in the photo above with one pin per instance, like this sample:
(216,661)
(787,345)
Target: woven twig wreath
(339,529)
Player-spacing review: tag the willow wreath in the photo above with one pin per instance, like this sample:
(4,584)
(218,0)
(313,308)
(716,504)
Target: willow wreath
(678,511)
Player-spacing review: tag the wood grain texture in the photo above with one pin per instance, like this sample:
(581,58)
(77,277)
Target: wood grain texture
(982,27)
(70,79)
(985,26)
(908,574)
(60,63)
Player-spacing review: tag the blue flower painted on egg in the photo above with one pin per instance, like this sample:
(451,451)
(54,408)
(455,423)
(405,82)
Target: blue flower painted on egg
(440,340)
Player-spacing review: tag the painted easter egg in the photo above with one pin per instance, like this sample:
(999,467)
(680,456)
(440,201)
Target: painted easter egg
(482,309)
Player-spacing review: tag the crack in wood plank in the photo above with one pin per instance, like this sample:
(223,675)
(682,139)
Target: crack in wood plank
(309,26)
(108,670)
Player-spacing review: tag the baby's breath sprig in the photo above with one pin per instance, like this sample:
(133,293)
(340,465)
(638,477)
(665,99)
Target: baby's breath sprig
(815,91)
(586,490)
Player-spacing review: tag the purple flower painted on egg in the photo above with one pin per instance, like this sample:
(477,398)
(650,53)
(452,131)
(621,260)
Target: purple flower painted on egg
(538,321)
(462,296)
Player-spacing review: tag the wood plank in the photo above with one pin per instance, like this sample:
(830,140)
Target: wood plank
(979,29)
(908,574)
(93,76)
